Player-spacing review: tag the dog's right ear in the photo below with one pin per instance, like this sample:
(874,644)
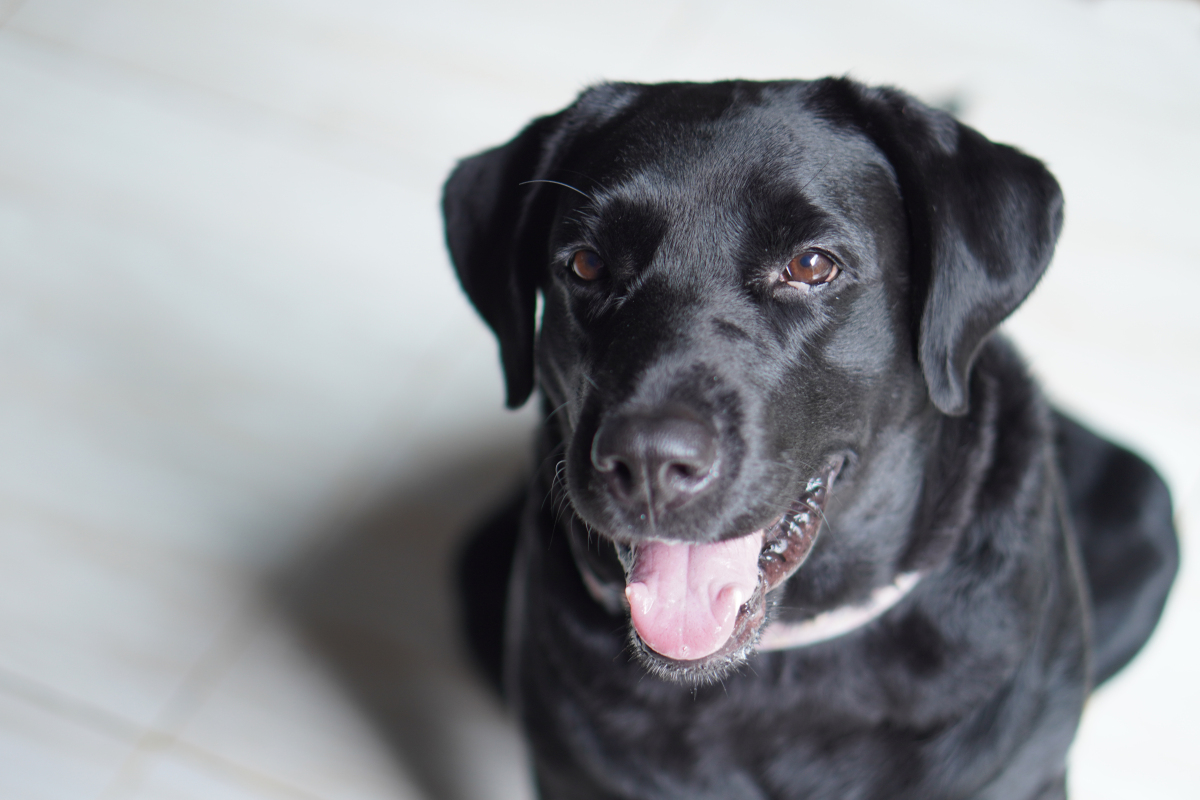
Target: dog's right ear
(497,230)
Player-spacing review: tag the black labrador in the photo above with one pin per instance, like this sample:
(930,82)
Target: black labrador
(803,527)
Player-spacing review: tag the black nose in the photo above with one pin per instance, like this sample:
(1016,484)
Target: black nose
(657,459)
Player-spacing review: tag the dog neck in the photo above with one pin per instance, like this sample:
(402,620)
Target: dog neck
(837,621)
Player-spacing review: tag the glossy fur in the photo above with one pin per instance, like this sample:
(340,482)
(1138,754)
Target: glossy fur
(1046,551)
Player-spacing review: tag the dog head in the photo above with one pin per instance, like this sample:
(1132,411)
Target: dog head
(751,291)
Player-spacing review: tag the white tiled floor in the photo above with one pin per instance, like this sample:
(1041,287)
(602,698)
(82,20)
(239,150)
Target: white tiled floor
(246,411)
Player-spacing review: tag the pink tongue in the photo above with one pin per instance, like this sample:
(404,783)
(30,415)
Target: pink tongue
(684,598)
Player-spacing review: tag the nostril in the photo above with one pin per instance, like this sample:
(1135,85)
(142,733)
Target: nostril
(615,469)
(683,472)
(622,478)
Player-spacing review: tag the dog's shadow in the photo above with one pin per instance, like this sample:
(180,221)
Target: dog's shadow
(374,600)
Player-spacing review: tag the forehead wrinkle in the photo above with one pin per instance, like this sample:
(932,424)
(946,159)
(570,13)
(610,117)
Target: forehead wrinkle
(708,215)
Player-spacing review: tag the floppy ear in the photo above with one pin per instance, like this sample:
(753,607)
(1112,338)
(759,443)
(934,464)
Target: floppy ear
(983,220)
(497,234)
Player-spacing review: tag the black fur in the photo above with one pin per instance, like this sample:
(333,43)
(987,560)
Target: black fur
(1047,552)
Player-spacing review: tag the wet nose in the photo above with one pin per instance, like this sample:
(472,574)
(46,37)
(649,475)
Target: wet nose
(658,459)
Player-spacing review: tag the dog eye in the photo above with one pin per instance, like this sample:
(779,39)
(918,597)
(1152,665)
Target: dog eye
(810,268)
(587,265)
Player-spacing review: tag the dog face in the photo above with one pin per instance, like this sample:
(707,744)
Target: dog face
(751,292)
(734,279)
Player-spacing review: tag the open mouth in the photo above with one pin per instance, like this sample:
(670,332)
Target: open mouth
(696,610)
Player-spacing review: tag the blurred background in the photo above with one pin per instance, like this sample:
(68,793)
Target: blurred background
(246,415)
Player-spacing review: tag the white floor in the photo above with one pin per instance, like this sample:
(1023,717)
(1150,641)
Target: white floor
(246,412)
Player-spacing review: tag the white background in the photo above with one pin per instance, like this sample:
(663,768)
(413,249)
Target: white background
(245,412)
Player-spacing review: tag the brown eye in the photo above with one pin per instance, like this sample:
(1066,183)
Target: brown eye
(587,265)
(810,268)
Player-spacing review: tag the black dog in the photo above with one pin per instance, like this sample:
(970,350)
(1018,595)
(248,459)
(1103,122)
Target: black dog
(768,315)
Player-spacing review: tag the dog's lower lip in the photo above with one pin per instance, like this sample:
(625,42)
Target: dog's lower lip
(791,539)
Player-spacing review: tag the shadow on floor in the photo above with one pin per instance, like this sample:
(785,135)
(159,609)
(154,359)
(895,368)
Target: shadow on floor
(373,600)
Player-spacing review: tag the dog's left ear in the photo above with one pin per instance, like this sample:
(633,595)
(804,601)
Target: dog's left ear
(497,232)
(983,221)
